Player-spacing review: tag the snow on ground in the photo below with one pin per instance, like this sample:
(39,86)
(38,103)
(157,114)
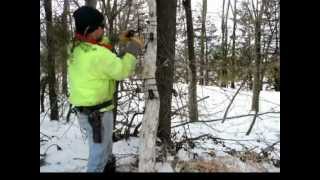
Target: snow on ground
(73,154)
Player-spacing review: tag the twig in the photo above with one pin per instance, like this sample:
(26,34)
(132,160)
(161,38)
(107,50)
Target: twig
(67,129)
(80,159)
(188,104)
(269,148)
(46,135)
(76,3)
(127,131)
(45,152)
(135,132)
(214,138)
(232,117)
(251,125)
(227,110)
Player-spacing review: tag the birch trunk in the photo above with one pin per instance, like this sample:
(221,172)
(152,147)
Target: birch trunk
(150,121)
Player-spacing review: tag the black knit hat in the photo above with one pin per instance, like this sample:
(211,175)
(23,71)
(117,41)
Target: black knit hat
(87,19)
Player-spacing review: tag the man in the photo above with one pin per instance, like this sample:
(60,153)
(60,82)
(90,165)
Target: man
(92,71)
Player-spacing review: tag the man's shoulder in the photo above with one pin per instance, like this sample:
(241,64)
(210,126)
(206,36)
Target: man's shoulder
(89,48)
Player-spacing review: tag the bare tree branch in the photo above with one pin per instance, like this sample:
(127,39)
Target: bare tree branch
(232,117)
(76,3)
(234,96)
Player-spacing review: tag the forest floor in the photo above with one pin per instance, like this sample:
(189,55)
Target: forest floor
(215,147)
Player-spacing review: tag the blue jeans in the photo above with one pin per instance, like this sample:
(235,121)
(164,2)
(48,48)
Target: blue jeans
(99,153)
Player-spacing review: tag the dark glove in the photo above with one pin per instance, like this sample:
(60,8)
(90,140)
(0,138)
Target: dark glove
(133,48)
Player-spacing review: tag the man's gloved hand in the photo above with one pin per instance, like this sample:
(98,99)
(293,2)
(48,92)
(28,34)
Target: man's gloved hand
(133,48)
(133,44)
(124,37)
(127,36)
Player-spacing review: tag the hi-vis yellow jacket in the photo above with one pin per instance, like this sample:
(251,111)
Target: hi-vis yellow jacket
(92,71)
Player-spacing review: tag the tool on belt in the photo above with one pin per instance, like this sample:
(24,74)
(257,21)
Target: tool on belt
(94,118)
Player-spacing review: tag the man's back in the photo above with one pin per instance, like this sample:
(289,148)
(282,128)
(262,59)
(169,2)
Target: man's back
(92,71)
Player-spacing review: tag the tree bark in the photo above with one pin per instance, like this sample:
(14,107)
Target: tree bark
(66,8)
(150,121)
(257,71)
(203,33)
(166,29)
(193,105)
(111,13)
(207,63)
(256,77)
(43,85)
(54,114)
(224,43)
(234,44)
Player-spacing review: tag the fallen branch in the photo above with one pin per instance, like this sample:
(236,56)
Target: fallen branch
(251,125)
(46,135)
(127,131)
(232,117)
(83,159)
(67,130)
(136,131)
(234,96)
(193,139)
(269,148)
(45,152)
(187,104)
(212,137)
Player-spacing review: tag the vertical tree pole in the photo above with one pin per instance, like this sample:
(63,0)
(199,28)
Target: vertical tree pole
(257,71)
(150,121)
(54,115)
(203,37)
(233,61)
(166,25)
(66,35)
(193,105)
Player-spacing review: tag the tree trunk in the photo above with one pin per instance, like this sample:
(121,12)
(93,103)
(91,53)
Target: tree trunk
(276,69)
(256,77)
(166,19)
(65,46)
(150,121)
(276,79)
(43,85)
(226,30)
(187,77)
(250,82)
(203,33)
(224,43)
(257,71)
(222,26)
(54,114)
(234,44)
(193,105)
(207,64)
